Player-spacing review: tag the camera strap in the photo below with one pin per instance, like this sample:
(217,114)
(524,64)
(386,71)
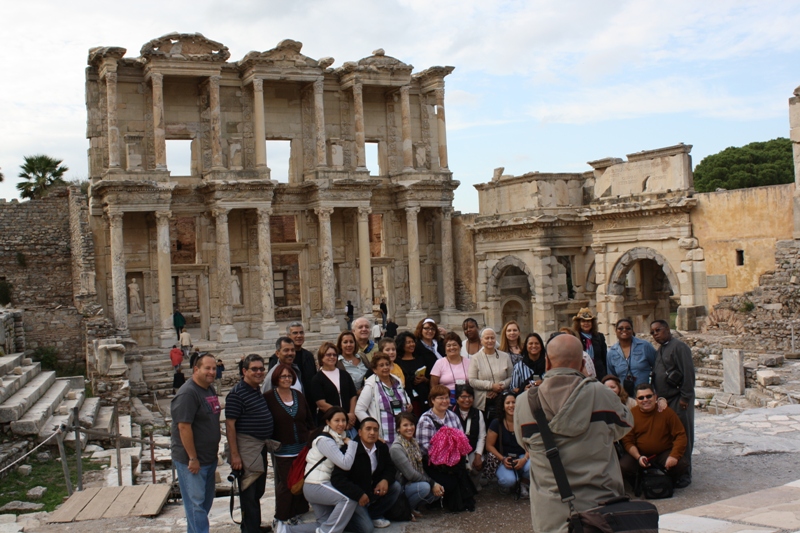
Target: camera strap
(234,481)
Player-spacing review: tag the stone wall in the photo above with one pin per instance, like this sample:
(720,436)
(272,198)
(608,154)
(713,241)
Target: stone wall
(761,216)
(464,256)
(37,261)
(766,318)
(12,333)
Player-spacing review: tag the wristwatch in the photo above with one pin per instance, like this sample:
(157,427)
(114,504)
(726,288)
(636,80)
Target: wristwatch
(192,459)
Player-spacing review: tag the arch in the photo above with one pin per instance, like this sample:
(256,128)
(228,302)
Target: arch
(616,283)
(493,283)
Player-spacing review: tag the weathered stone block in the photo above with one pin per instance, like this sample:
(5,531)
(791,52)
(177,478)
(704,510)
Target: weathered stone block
(36,493)
(20,507)
(770,359)
(24,470)
(767,377)
(733,371)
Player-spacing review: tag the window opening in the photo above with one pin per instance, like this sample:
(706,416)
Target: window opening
(279,152)
(373,161)
(739,257)
(179,157)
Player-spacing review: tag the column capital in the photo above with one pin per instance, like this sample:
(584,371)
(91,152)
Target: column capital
(258,85)
(115,217)
(364,212)
(599,248)
(163,217)
(404,90)
(323,212)
(542,252)
(111,75)
(413,210)
(214,79)
(439,94)
(319,83)
(264,212)
(221,214)
(156,78)
(447,212)
(357,86)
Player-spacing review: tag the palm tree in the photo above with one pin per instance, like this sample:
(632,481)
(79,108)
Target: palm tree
(41,172)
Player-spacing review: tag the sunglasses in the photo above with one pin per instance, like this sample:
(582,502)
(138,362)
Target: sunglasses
(645,397)
(256,369)
(625,329)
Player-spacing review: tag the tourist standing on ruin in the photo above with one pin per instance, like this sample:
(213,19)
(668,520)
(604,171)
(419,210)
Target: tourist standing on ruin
(303,358)
(186,342)
(473,343)
(248,422)
(384,311)
(510,341)
(631,359)
(194,441)
(490,372)
(178,321)
(349,311)
(674,381)
(594,343)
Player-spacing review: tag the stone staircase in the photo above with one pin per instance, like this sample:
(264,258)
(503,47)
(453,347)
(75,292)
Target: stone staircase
(157,368)
(34,403)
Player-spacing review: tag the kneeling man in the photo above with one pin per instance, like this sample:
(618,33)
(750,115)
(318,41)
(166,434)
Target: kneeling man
(657,438)
(370,481)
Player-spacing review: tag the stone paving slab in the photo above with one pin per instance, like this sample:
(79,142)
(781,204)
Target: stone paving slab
(775,510)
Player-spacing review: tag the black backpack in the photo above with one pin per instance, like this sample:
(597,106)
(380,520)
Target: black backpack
(654,483)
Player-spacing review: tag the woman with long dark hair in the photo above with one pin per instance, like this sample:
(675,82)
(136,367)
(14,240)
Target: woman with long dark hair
(594,342)
(416,369)
(331,386)
(529,370)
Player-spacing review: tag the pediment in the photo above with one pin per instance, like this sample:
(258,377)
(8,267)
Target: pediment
(377,62)
(285,56)
(100,53)
(185,47)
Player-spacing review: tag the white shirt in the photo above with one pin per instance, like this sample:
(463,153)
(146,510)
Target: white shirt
(373,457)
(376,331)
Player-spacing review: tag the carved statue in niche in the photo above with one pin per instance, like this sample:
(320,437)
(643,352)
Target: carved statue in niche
(236,289)
(421,158)
(135,302)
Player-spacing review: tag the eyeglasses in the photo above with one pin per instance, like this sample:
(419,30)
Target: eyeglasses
(429,328)
(645,397)
(624,329)
(286,376)
(331,354)
(256,369)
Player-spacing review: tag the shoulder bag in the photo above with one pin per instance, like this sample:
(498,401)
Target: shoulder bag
(617,515)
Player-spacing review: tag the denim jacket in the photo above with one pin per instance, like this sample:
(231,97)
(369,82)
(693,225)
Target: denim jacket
(642,360)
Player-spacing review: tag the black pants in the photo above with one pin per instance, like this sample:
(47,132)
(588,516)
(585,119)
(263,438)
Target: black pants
(250,499)
(630,467)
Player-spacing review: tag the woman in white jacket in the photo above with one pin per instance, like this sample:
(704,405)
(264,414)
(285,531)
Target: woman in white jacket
(490,372)
(383,397)
(329,447)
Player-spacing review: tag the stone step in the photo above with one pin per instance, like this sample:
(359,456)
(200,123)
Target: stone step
(12,382)
(64,415)
(10,362)
(104,421)
(35,417)
(15,406)
(709,378)
(88,412)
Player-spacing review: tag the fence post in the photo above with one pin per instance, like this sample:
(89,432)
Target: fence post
(64,465)
(153,456)
(119,453)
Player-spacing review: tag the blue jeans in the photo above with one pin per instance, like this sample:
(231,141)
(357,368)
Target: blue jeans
(361,522)
(197,492)
(418,492)
(507,478)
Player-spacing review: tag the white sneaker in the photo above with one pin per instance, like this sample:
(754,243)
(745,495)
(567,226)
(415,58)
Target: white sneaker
(279,527)
(380,523)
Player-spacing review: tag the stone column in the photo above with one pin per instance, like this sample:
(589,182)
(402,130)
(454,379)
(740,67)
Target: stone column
(441,129)
(259,132)
(269,329)
(118,290)
(159,128)
(544,315)
(164,258)
(405,113)
(216,127)
(328,325)
(319,117)
(358,107)
(227,333)
(414,276)
(113,130)
(364,261)
(448,268)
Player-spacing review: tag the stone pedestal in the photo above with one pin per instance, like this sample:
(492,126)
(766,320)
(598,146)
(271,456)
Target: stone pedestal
(733,371)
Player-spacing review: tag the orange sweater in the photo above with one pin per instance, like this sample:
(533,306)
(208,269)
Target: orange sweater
(655,432)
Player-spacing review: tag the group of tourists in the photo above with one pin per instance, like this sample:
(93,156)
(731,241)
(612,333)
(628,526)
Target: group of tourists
(380,429)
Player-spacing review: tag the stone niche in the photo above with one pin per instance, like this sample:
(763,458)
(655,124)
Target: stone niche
(661,170)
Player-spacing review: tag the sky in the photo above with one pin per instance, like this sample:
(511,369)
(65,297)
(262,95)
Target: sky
(539,85)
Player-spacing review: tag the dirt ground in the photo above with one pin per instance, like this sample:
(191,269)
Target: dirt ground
(716,477)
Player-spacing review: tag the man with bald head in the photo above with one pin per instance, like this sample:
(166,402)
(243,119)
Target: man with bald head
(586,418)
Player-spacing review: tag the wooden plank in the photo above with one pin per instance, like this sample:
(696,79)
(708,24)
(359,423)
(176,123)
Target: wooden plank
(152,500)
(99,504)
(126,501)
(73,506)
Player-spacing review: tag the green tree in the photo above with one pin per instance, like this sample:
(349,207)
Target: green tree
(40,172)
(752,165)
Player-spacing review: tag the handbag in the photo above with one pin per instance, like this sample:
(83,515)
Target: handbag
(616,515)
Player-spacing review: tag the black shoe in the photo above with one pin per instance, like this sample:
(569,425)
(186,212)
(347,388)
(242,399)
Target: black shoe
(683,482)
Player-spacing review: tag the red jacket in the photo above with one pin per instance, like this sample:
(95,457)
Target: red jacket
(176,356)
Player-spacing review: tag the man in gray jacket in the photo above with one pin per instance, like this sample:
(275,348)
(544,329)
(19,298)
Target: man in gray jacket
(585,418)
